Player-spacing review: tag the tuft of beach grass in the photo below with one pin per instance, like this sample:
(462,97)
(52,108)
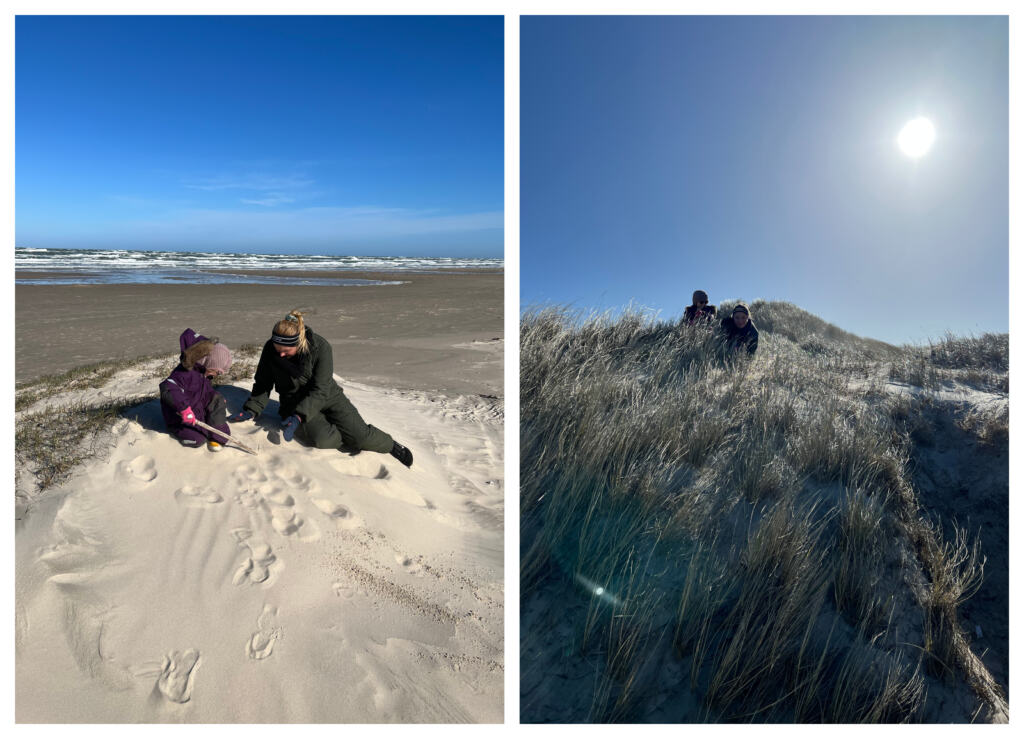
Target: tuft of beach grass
(60,423)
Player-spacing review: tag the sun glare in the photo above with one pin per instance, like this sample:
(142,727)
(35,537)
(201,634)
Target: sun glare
(917,137)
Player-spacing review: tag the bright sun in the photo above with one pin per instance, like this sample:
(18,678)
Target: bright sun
(917,137)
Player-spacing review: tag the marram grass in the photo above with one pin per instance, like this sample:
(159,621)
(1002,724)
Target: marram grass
(747,526)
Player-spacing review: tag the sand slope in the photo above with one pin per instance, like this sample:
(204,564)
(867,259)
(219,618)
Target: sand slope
(165,584)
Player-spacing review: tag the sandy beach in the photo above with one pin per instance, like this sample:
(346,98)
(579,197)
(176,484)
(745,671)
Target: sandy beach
(297,585)
(434,332)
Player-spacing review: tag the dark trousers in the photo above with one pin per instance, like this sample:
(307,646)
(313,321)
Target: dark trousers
(340,423)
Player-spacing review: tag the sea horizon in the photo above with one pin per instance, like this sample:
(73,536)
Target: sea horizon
(63,266)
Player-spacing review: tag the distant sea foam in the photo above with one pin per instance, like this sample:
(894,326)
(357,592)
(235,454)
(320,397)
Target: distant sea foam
(110,266)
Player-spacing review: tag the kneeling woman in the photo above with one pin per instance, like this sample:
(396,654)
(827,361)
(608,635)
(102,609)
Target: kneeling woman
(299,364)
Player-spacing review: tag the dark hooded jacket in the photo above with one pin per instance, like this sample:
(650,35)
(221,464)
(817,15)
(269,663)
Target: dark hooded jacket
(735,337)
(693,314)
(305,383)
(187,386)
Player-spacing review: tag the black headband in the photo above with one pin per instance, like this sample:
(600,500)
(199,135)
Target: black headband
(284,340)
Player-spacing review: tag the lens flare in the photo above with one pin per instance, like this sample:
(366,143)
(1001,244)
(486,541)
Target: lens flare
(597,591)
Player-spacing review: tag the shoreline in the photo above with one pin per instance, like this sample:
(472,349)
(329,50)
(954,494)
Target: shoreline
(232,276)
(432,332)
(354,274)
(369,274)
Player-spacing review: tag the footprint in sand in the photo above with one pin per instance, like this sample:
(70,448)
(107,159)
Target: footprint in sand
(287,520)
(295,480)
(362,466)
(262,641)
(397,487)
(258,566)
(248,499)
(248,473)
(343,517)
(345,590)
(175,681)
(197,497)
(278,505)
(330,508)
(288,473)
(279,498)
(143,468)
(413,567)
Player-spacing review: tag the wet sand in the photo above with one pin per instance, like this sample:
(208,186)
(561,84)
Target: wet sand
(437,332)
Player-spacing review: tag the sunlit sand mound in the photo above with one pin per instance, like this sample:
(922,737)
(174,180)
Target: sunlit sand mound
(816,534)
(158,583)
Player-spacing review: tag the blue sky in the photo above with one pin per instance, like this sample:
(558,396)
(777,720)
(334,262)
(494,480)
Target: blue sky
(359,135)
(755,157)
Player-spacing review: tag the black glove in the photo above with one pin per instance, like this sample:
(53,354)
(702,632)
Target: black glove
(401,453)
(241,416)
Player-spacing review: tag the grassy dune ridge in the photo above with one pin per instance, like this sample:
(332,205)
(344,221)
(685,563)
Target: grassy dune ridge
(713,538)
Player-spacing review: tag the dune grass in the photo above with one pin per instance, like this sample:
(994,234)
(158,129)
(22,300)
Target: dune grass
(80,378)
(52,442)
(982,362)
(750,521)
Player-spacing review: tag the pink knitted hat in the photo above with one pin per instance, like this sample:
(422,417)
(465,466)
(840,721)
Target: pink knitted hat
(219,358)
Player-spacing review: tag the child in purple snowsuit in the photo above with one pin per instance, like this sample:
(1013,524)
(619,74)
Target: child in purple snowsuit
(188,395)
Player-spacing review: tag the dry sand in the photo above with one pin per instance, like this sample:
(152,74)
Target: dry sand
(165,584)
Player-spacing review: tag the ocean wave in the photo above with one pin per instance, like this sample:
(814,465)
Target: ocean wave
(86,260)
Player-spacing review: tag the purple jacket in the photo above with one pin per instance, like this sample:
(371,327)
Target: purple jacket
(187,385)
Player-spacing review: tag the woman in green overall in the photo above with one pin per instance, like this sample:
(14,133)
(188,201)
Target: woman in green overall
(299,365)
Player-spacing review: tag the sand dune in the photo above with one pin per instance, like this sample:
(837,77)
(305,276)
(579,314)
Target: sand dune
(814,535)
(165,584)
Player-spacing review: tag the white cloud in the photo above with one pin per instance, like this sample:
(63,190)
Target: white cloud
(274,198)
(256,181)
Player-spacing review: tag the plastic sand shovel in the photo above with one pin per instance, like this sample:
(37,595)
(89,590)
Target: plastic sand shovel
(231,439)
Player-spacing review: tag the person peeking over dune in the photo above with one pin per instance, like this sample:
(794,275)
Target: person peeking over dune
(299,364)
(738,331)
(700,311)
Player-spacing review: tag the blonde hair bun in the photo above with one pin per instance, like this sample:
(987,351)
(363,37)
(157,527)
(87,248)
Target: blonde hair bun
(293,325)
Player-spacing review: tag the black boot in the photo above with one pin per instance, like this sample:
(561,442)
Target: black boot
(402,454)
